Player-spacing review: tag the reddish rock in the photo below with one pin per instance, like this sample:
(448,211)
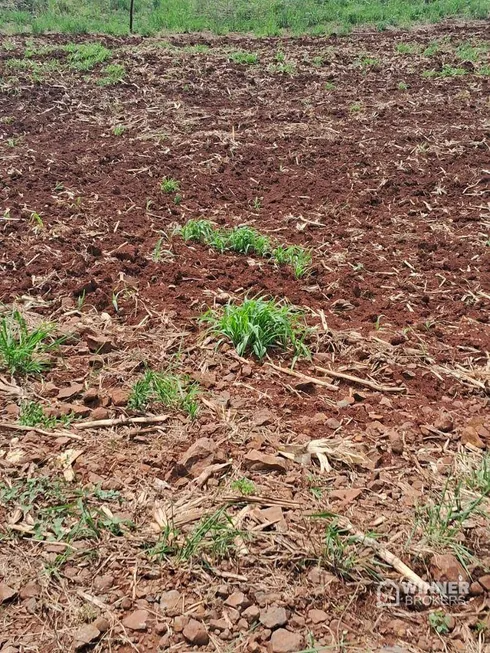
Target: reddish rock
(444,423)
(201,449)
(485,582)
(238,600)
(70,391)
(99,413)
(445,568)
(30,590)
(469,435)
(6,593)
(195,633)
(263,417)
(103,583)
(257,461)
(102,624)
(171,603)
(317,616)
(98,344)
(273,617)
(396,443)
(85,635)
(119,397)
(284,641)
(136,620)
(252,613)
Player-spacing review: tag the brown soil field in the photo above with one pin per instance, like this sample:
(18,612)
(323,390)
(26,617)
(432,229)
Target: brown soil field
(370,150)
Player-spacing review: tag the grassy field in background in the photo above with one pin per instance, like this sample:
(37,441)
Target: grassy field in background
(262,17)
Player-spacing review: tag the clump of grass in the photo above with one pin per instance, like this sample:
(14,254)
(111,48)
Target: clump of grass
(259,325)
(22,350)
(407,48)
(243,485)
(112,74)
(198,230)
(32,414)
(167,389)
(85,56)
(441,521)
(36,222)
(402,86)
(246,240)
(446,71)
(118,130)
(248,58)
(295,256)
(169,185)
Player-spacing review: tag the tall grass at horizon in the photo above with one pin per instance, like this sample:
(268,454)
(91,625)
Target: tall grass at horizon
(261,17)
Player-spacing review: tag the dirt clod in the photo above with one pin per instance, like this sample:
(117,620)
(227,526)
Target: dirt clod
(196,633)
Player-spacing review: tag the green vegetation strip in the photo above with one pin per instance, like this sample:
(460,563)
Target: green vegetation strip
(246,240)
(261,17)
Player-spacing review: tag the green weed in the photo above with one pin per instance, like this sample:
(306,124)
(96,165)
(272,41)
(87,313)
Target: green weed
(248,58)
(112,74)
(402,86)
(243,485)
(32,414)
(36,222)
(446,71)
(201,231)
(407,48)
(24,350)
(295,256)
(439,622)
(259,325)
(85,56)
(169,185)
(167,389)
(441,521)
(244,240)
(118,130)
(59,512)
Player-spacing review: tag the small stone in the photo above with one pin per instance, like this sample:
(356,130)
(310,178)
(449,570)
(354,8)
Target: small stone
(99,344)
(30,590)
(317,616)
(119,397)
(201,449)
(164,641)
(444,423)
(136,620)
(445,568)
(171,603)
(284,641)
(469,435)
(485,582)
(333,423)
(396,443)
(218,624)
(102,624)
(85,635)
(476,589)
(238,600)
(252,613)
(103,583)
(257,461)
(263,417)
(273,617)
(70,391)
(6,593)
(99,413)
(180,623)
(9,649)
(196,633)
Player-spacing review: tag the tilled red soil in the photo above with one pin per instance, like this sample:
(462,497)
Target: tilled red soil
(341,145)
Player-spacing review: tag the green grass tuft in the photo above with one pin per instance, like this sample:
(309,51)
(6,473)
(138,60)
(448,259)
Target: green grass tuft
(259,325)
(167,389)
(295,256)
(22,350)
(169,185)
(244,57)
(85,56)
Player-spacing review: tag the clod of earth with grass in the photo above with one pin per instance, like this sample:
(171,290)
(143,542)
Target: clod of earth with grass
(259,325)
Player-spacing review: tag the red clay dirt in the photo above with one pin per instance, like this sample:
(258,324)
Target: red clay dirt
(341,145)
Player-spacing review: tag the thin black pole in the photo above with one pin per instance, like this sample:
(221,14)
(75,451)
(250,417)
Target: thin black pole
(131,17)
